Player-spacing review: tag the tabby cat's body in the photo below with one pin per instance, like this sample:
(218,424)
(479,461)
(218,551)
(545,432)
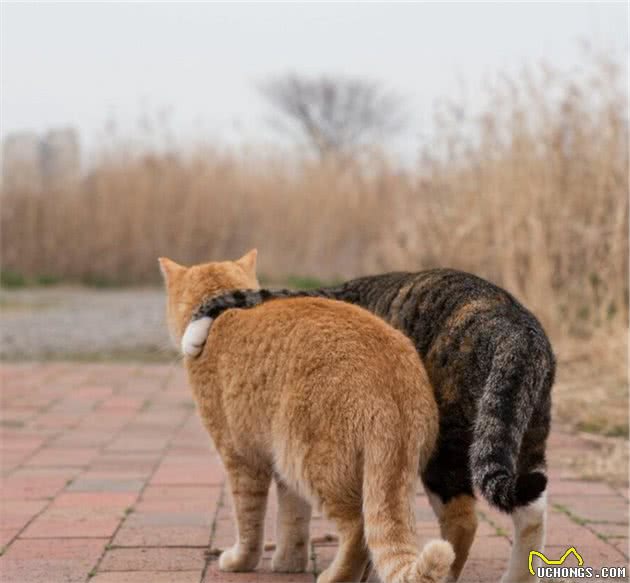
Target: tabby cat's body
(329,401)
(492,369)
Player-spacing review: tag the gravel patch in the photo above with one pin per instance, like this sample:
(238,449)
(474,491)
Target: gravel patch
(84,323)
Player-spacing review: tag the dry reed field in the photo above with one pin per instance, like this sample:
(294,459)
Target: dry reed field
(531,193)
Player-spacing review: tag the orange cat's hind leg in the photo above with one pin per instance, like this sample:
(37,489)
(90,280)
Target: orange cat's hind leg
(448,485)
(292,531)
(249,488)
(352,556)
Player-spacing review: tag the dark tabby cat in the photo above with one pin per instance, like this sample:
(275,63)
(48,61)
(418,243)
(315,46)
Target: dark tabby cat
(492,369)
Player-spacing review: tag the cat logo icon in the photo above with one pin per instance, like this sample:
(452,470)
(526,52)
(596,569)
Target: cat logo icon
(561,560)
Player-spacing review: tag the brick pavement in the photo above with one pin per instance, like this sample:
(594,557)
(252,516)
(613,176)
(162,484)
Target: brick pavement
(108,477)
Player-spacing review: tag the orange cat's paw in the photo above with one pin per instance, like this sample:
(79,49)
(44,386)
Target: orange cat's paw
(195,336)
(235,559)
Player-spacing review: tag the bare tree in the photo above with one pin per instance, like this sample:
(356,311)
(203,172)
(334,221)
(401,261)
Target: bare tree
(336,115)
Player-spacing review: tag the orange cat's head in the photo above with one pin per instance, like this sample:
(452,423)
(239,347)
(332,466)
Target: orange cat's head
(187,287)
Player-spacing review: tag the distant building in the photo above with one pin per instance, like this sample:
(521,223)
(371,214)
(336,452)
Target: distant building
(32,162)
(21,161)
(60,158)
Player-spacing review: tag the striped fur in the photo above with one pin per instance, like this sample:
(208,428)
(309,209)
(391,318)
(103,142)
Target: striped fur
(489,361)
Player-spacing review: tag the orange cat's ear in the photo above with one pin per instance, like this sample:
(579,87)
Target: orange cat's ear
(169,268)
(248,262)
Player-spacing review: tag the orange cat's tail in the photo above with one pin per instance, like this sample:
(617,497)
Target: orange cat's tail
(388,491)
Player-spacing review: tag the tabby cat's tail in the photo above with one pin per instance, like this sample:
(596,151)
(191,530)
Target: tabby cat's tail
(389,522)
(249,298)
(512,390)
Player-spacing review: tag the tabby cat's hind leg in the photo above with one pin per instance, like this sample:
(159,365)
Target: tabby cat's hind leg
(458,525)
(352,556)
(529,535)
(292,531)
(529,514)
(448,484)
(249,487)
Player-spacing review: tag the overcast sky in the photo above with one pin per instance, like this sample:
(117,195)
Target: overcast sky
(81,64)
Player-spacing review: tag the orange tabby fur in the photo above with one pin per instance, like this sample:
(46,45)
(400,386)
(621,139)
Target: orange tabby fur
(329,401)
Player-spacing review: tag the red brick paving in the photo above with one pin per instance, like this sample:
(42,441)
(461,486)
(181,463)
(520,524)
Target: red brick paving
(108,477)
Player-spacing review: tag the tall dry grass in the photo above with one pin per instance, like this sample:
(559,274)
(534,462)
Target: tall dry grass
(536,199)
(530,193)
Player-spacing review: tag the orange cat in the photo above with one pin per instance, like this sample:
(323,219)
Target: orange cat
(330,402)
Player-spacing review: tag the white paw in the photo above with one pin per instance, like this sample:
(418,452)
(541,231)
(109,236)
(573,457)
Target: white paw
(234,559)
(195,336)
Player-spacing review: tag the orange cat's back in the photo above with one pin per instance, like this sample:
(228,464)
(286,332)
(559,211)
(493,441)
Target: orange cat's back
(307,336)
(288,359)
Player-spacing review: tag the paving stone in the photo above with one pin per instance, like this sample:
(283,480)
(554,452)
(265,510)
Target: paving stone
(190,472)
(174,493)
(103,500)
(50,560)
(213,575)
(125,461)
(162,536)
(147,577)
(491,547)
(7,534)
(483,570)
(609,530)
(54,457)
(610,508)
(13,441)
(120,452)
(622,545)
(17,513)
(94,484)
(35,483)
(577,487)
(137,443)
(73,522)
(153,559)
(77,437)
(170,519)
